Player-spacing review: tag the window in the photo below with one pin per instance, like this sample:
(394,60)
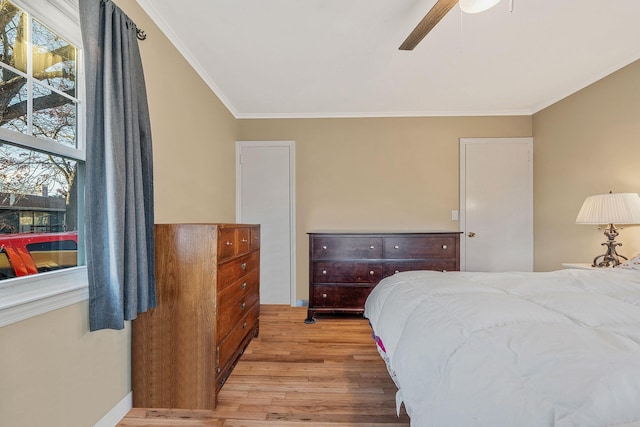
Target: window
(41,149)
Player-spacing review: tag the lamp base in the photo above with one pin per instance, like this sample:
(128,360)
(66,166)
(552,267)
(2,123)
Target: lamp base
(611,258)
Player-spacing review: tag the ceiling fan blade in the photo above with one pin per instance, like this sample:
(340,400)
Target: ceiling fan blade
(437,12)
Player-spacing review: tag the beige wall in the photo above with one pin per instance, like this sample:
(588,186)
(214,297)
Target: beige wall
(56,373)
(53,372)
(588,143)
(193,134)
(376,173)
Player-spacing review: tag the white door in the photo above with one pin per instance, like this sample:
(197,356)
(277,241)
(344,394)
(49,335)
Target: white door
(265,196)
(496,204)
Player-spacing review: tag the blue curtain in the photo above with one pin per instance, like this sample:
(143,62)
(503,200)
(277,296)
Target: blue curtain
(119,169)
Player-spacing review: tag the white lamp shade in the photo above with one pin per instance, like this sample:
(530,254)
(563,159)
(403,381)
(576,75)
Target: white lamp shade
(612,208)
(475,6)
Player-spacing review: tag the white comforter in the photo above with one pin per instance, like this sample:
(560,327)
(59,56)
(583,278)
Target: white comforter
(512,349)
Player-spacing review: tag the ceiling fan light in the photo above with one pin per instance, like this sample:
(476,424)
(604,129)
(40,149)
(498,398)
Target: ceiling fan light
(475,6)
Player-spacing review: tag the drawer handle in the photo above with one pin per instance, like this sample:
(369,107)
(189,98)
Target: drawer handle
(396,247)
(243,306)
(244,325)
(324,295)
(372,247)
(228,243)
(243,266)
(444,246)
(324,271)
(244,240)
(243,286)
(371,273)
(324,247)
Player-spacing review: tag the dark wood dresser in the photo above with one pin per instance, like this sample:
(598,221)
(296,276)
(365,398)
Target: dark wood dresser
(207,285)
(345,267)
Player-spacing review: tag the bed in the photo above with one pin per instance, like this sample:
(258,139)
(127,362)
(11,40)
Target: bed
(540,349)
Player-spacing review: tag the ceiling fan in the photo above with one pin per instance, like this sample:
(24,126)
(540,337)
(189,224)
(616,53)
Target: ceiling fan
(437,12)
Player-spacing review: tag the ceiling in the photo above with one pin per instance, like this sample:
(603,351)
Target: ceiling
(340,58)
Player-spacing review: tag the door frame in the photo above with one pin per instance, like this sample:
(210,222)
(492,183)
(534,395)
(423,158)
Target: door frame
(463,190)
(292,199)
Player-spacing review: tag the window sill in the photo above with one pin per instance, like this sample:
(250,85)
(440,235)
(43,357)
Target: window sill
(26,297)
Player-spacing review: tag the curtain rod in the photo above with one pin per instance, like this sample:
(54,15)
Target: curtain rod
(140,34)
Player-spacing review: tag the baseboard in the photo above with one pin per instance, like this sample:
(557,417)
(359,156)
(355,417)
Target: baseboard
(117,413)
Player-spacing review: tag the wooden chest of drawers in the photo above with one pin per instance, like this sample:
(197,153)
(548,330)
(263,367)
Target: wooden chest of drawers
(344,267)
(207,285)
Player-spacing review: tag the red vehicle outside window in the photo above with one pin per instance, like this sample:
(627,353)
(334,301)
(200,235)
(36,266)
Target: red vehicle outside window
(32,253)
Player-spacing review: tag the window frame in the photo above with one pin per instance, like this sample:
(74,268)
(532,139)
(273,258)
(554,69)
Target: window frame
(24,297)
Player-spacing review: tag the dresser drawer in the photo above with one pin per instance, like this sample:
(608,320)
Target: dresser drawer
(232,271)
(404,247)
(235,301)
(226,243)
(234,241)
(340,296)
(228,348)
(254,238)
(346,248)
(394,267)
(247,284)
(347,272)
(243,240)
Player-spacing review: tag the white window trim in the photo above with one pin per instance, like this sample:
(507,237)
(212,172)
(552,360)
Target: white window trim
(62,16)
(25,297)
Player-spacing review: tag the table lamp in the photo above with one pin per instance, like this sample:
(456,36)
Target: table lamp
(610,209)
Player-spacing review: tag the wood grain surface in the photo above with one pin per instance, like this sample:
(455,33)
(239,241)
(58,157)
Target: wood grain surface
(327,374)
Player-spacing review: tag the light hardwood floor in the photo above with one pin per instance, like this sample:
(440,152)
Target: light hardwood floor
(327,374)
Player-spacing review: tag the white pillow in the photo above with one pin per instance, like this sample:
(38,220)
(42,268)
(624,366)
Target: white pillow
(632,264)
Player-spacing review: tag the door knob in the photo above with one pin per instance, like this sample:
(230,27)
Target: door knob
(471,234)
